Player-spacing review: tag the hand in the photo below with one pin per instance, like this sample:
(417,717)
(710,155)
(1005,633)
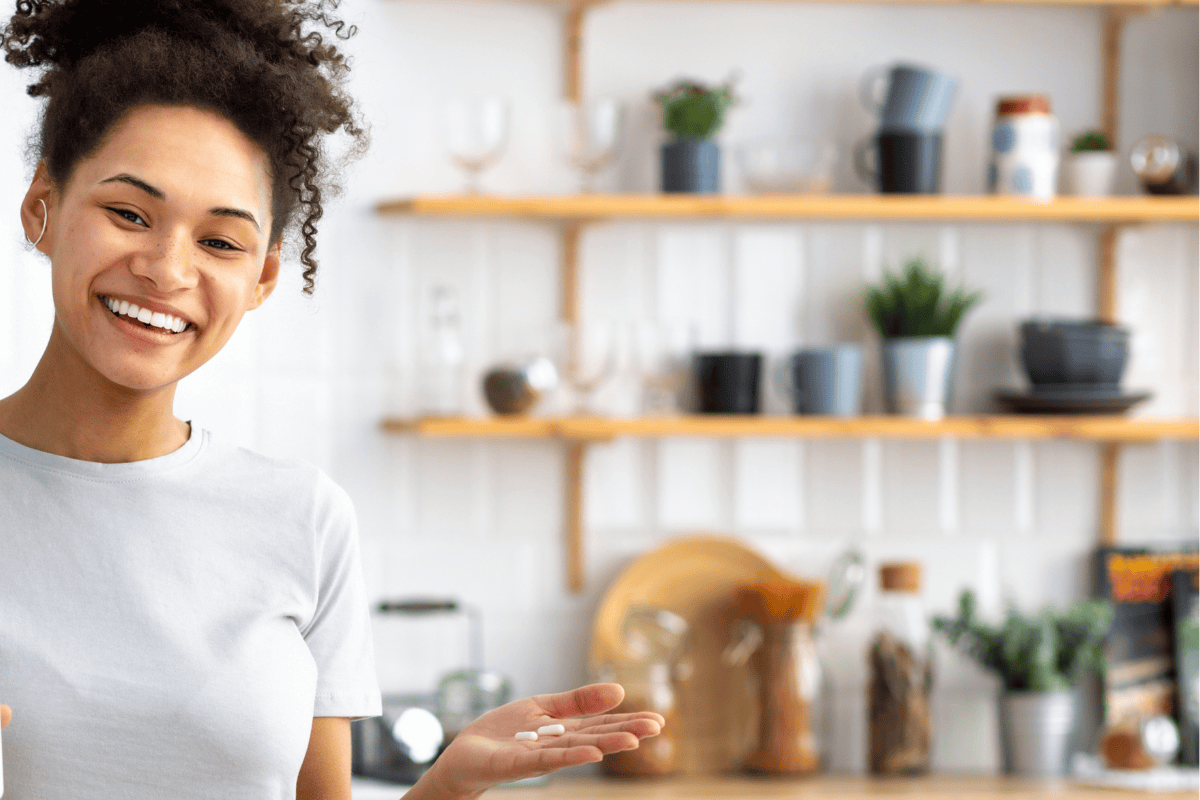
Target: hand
(485,753)
(5,715)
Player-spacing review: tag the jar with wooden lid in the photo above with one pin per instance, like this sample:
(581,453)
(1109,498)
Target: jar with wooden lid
(900,719)
(1025,148)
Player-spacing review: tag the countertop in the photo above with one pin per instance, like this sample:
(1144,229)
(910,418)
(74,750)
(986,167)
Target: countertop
(841,787)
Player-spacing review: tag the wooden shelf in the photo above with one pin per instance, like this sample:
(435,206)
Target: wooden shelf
(830,206)
(1087,428)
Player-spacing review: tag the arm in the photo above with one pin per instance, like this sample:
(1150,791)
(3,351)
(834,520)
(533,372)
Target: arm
(325,773)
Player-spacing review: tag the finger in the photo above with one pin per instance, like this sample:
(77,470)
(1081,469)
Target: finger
(605,742)
(539,762)
(582,702)
(613,719)
(5,715)
(640,728)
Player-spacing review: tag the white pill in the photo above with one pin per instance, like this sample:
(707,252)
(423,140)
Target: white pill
(551,730)
(526,736)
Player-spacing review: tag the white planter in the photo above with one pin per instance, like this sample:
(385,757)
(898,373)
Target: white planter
(1090,174)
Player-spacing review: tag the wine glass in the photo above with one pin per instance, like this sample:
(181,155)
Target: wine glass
(589,133)
(476,133)
(662,354)
(586,357)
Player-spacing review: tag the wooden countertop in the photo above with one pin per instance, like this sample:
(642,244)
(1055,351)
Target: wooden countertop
(842,787)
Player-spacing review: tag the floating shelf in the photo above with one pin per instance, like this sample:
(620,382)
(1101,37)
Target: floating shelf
(1088,428)
(829,206)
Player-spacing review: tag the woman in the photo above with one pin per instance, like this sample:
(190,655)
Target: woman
(180,617)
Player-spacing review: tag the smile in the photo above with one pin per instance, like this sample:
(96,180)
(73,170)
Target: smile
(154,320)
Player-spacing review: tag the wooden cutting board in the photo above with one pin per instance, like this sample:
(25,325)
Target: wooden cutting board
(695,577)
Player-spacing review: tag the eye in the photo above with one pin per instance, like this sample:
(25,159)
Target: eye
(128,215)
(217,244)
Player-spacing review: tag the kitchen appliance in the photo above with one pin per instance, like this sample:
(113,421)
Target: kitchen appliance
(414,728)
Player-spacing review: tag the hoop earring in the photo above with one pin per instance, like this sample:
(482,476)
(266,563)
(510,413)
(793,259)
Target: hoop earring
(45,218)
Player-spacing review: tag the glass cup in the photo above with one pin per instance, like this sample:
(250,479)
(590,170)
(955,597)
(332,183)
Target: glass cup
(662,355)
(585,355)
(589,134)
(476,133)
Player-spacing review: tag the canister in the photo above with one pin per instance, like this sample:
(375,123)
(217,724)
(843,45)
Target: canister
(1024,148)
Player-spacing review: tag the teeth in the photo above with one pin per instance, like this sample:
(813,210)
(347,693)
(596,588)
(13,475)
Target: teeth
(146,316)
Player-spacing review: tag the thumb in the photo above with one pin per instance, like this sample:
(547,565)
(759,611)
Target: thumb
(5,715)
(595,698)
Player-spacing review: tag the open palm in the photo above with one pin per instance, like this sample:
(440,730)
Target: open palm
(485,753)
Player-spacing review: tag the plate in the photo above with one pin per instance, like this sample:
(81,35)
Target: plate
(694,577)
(1083,400)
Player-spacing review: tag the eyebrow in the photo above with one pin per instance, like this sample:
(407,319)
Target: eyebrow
(159,194)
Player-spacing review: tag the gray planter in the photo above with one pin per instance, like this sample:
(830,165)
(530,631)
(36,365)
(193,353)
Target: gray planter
(918,375)
(1034,731)
(691,165)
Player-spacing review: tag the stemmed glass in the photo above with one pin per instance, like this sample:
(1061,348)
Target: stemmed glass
(586,357)
(589,133)
(476,133)
(662,354)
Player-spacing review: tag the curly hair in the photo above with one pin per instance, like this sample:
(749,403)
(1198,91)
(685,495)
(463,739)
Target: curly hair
(258,63)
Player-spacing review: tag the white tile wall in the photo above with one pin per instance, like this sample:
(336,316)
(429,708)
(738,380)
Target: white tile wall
(481,520)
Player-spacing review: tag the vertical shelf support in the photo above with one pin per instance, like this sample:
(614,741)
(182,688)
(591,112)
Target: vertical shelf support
(573,50)
(576,453)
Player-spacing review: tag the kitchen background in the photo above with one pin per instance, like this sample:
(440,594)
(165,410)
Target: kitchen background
(482,521)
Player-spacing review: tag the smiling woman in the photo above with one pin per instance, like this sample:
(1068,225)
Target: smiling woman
(181,617)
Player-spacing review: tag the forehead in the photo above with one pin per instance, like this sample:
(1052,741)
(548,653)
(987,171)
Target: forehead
(189,153)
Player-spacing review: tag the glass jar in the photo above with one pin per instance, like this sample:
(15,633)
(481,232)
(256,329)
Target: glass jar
(794,701)
(648,687)
(1025,156)
(900,718)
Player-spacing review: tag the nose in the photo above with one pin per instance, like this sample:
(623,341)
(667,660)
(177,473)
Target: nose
(167,262)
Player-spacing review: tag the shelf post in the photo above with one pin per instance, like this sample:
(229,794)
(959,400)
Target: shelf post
(573,50)
(573,545)
(1110,462)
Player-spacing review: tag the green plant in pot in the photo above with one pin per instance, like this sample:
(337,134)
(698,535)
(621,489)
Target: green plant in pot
(692,114)
(1038,659)
(1091,165)
(917,318)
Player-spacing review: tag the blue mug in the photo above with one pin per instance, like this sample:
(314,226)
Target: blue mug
(826,381)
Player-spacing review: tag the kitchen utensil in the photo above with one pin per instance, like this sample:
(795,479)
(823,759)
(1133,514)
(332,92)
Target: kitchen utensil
(1025,149)
(476,132)
(589,134)
(788,166)
(1070,400)
(791,685)
(515,388)
(694,577)
(901,162)
(727,383)
(824,380)
(1163,165)
(1074,352)
(908,97)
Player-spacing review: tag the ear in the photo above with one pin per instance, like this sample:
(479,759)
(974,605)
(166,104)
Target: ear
(35,217)
(269,276)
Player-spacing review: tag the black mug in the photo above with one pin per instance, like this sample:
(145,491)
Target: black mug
(727,383)
(906,162)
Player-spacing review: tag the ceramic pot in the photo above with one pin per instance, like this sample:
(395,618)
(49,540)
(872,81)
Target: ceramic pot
(1034,730)
(918,375)
(691,165)
(1091,174)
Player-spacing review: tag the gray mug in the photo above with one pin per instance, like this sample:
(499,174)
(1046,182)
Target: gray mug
(915,98)
(825,381)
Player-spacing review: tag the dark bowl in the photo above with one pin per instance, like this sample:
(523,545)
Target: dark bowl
(1073,352)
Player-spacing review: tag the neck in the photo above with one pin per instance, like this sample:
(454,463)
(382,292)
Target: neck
(69,409)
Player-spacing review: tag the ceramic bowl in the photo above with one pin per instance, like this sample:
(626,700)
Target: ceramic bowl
(1077,352)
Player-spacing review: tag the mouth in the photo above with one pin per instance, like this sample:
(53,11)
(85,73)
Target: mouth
(154,321)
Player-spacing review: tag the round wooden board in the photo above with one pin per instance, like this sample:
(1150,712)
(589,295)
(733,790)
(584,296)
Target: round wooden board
(695,578)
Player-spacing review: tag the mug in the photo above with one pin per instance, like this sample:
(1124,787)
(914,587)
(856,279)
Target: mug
(906,162)
(727,382)
(915,98)
(826,381)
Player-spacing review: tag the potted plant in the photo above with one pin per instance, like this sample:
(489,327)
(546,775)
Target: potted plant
(1091,166)
(917,319)
(692,114)
(1038,659)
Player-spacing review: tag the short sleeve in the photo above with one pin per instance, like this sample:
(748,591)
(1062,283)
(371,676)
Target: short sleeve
(339,633)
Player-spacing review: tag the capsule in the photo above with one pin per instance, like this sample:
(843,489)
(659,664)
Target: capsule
(526,736)
(551,730)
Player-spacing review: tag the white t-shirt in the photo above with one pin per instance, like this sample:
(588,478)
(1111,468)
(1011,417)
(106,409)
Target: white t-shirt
(170,627)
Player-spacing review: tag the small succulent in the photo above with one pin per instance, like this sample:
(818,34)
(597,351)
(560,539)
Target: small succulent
(1090,142)
(916,304)
(693,110)
(1044,653)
